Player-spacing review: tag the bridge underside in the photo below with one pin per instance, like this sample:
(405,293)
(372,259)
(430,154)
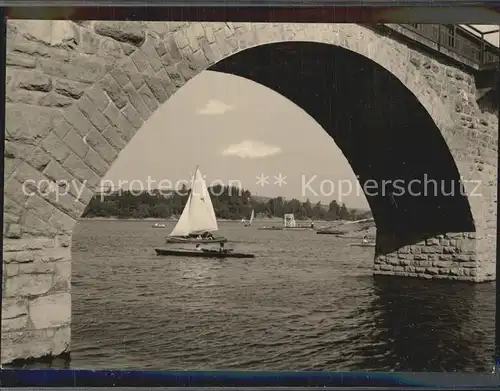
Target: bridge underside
(424,222)
(58,97)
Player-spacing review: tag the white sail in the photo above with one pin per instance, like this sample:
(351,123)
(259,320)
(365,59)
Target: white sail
(252,216)
(198,214)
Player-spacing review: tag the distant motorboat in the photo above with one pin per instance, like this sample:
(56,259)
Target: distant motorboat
(158,225)
(363,243)
(197,222)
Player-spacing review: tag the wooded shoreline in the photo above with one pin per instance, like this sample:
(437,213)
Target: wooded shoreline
(230,204)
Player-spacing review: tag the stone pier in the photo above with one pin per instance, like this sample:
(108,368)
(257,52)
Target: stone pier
(36,308)
(452,256)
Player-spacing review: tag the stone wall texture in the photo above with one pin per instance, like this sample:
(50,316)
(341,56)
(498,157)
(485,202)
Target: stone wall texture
(77,92)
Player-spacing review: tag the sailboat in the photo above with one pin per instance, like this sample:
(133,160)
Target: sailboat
(197,222)
(251,219)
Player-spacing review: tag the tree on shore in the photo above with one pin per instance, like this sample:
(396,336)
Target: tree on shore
(229,203)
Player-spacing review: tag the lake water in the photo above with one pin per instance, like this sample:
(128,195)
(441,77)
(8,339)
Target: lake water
(306,302)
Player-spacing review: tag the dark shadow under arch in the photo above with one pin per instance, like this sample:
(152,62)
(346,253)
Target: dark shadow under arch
(383,130)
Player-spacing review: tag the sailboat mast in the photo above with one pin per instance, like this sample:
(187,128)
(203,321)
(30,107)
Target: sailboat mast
(192,183)
(193,177)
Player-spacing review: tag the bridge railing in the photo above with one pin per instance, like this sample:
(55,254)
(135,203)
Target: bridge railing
(458,40)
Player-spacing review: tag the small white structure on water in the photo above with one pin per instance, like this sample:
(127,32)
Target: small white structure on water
(289,220)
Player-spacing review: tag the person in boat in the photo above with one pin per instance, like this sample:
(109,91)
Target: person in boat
(221,248)
(198,247)
(207,235)
(365,239)
(312,224)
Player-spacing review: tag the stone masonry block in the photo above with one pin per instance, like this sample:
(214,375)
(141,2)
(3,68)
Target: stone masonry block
(167,83)
(50,311)
(128,32)
(30,124)
(62,221)
(148,97)
(26,285)
(121,124)
(34,343)
(98,164)
(140,60)
(175,75)
(32,80)
(98,97)
(120,76)
(112,88)
(40,207)
(17,149)
(132,116)
(157,88)
(81,171)
(76,142)
(20,60)
(70,88)
(77,120)
(53,145)
(129,68)
(112,135)
(151,54)
(39,159)
(92,113)
(84,72)
(136,101)
(99,143)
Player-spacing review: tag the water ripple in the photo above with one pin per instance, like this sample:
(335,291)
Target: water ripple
(307,302)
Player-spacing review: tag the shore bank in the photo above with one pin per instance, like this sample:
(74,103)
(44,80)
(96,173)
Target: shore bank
(265,219)
(346,228)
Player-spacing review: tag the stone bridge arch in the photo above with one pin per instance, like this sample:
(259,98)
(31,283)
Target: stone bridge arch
(77,92)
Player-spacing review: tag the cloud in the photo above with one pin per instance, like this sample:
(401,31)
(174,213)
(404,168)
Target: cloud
(251,150)
(215,107)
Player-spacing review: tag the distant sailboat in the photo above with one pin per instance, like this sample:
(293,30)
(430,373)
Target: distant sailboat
(197,221)
(251,219)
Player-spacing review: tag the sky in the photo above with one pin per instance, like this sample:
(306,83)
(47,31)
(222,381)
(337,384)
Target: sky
(492,37)
(238,132)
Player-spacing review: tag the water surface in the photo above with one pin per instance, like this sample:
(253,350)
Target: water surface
(306,302)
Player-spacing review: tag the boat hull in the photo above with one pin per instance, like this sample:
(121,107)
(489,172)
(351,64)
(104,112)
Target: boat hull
(362,244)
(285,229)
(201,254)
(179,239)
(329,232)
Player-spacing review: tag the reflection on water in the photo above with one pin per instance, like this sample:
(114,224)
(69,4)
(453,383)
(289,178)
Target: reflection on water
(432,325)
(306,302)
